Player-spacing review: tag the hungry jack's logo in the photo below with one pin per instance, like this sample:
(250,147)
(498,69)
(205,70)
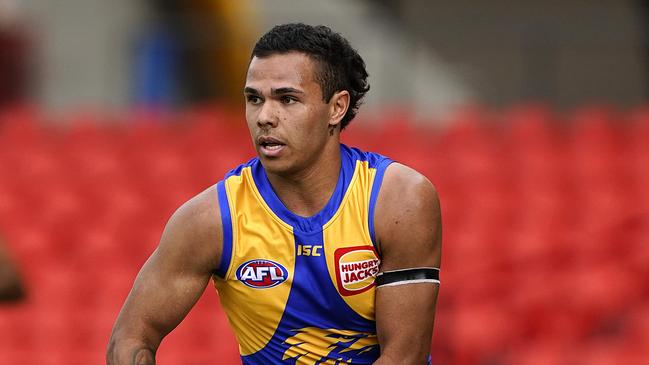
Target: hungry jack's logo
(356,268)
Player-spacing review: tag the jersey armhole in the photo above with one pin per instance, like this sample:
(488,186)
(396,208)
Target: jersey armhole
(376,187)
(226,223)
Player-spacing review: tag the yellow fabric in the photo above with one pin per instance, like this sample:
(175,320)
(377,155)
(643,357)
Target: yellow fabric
(346,232)
(255,314)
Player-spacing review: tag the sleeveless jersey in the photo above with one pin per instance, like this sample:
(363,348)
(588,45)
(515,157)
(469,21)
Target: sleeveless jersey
(300,290)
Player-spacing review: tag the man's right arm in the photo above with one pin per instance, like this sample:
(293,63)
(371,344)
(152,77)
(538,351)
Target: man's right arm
(170,282)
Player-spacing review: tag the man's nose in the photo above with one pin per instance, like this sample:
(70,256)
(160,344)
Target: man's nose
(267,116)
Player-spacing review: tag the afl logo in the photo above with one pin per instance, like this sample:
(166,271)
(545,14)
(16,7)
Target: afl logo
(261,274)
(356,269)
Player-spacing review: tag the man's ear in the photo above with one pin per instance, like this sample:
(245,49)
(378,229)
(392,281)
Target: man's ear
(339,104)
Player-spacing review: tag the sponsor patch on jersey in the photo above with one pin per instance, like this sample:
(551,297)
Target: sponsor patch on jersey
(356,268)
(261,274)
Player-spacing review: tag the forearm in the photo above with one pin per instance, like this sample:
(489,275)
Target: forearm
(131,352)
(384,360)
(406,358)
(405,338)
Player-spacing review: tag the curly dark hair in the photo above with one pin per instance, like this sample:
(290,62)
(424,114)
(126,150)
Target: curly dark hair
(340,65)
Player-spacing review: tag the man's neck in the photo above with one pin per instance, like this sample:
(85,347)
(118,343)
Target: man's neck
(306,192)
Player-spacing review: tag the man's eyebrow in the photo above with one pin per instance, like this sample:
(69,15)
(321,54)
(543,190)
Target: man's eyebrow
(285,90)
(249,90)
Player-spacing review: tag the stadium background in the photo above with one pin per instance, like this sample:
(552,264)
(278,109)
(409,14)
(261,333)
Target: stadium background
(529,117)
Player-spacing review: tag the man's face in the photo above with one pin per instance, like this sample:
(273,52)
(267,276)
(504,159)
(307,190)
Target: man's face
(285,111)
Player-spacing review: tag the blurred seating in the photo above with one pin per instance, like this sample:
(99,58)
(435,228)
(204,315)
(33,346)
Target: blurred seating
(546,222)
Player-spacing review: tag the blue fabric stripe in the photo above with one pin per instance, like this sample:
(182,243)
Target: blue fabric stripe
(237,170)
(226,223)
(376,187)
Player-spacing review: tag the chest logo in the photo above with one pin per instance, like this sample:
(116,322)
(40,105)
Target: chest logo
(261,274)
(356,268)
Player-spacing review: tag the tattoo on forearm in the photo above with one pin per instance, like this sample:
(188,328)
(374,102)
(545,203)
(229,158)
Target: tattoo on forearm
(143,356)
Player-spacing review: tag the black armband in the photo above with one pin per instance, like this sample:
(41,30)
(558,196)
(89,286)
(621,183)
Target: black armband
(408,276)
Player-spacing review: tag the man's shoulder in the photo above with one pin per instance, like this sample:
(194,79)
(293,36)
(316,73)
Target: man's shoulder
(400,185)
(403,180)
(408,211)
(193,234)
(200,214)
(406,197)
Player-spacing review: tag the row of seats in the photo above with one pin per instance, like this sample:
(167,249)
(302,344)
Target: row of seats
(545,225)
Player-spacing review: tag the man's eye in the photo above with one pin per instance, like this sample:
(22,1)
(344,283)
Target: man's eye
(288,99)
(253,99)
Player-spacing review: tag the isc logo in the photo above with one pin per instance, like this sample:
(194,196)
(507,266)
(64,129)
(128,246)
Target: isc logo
(260,274)
(309,250)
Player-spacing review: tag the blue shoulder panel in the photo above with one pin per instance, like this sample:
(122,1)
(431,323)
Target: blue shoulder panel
(380,163)
(226,223)
(226,218)
(237,170)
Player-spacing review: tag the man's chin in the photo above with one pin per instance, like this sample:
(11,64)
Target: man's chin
(275,165)
(280,166)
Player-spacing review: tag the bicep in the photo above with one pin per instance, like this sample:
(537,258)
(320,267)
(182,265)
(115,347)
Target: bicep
(409,234)
(175,276)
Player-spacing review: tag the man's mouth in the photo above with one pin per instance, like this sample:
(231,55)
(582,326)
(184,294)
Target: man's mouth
(270,146)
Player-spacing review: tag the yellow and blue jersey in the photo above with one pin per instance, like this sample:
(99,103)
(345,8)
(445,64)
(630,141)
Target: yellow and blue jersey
(300,290)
